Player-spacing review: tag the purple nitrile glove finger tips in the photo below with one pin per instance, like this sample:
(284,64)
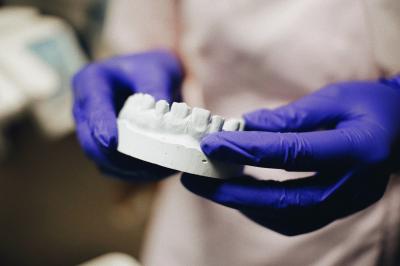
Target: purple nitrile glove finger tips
(104,128)
(107,137)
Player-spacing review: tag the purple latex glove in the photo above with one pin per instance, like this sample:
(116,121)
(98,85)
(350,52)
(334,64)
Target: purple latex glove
(100,90)
(348,133)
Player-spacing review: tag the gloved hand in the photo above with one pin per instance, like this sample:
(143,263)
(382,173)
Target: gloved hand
(348,133)
(100,90)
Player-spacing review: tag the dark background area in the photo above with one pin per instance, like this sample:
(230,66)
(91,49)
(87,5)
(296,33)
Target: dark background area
(57,209)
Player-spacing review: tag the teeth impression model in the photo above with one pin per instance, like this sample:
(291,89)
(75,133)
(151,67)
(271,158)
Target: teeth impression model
(150,131)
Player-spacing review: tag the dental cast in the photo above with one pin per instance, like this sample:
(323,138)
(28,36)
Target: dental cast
(171,138)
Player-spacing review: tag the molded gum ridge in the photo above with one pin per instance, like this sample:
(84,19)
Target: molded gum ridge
(142,111)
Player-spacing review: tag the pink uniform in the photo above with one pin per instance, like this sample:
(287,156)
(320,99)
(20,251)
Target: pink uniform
(242,55)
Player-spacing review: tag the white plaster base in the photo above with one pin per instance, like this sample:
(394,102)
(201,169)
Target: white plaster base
(165,150)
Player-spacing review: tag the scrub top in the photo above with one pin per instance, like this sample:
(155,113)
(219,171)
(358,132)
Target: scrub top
(241,55)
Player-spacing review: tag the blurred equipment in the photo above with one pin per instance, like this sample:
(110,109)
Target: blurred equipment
(12,100)
(39,54)
(112,259)
(85,16)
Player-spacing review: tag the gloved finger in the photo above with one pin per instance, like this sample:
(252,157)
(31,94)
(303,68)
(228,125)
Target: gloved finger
(311,112)
(295,206)
(246,192)
(309,151)
(93,104)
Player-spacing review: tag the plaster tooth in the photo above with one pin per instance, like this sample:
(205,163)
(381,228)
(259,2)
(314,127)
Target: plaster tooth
(128,109)
(147,102)
(198,122)
(216,124)
(136,100)
(179,110)
(162,107)
(231,125)
(200,118)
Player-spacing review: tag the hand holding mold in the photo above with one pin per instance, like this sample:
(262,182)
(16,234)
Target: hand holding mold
(100,90)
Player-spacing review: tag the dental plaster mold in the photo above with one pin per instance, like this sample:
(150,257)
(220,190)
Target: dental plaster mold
(152,131)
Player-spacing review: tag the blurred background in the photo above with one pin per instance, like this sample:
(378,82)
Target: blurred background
(55,207)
